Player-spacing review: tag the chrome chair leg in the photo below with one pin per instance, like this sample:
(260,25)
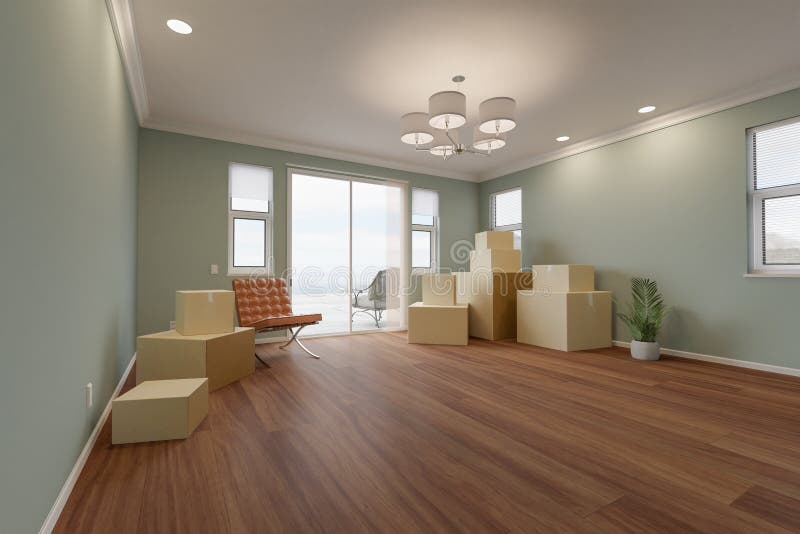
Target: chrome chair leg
(297,340)
(293,338)
(306,349)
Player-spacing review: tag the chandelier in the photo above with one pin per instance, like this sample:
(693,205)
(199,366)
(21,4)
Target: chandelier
(437,131)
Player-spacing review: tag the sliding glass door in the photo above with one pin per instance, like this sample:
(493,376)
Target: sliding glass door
(347,251)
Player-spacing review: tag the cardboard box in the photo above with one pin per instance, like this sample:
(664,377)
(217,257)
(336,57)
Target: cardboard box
(563,278)
(503,261)
(439,289)
(159,410)
(492,299)
(222,358)
(564,321)
(494,240)
(438,325)
(204,312)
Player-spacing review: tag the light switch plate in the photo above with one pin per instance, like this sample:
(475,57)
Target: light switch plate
(214,268)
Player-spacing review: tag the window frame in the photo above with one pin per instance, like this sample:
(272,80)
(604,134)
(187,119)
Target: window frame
(433,229)
(756,198)
(268,268)
(492,211)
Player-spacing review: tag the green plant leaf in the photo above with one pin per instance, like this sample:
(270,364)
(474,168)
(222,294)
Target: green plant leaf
(647,311)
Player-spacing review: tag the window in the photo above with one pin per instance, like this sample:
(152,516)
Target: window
(506,209)
(249,219)
(424,230)
(774,192)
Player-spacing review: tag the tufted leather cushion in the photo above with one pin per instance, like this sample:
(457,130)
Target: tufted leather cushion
(264,303)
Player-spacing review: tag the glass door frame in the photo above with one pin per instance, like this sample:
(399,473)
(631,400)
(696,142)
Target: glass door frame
(350,178)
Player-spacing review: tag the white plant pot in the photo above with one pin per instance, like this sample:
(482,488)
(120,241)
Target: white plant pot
(645,350)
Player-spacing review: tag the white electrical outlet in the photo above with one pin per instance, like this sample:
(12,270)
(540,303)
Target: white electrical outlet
(214,268)
(89,395)
(172,325)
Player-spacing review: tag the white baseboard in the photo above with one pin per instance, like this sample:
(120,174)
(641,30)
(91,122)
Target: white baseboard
(283,339)
(724,361)
(277,339)
(69,484)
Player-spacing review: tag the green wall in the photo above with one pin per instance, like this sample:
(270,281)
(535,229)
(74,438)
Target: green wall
(671,205)
(183,188)
(68,238)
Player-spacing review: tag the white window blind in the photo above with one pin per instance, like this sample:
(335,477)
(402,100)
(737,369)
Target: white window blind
(777,156)
(250,187)
(775,196)
(507,209)
(424,206)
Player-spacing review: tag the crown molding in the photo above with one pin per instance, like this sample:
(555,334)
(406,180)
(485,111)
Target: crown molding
(221,134)
(757,92)
(121,15)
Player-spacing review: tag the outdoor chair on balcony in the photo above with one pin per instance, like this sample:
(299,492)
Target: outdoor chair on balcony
(371,300)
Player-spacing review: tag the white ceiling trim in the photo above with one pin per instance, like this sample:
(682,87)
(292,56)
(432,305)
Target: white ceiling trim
(122,22)
(288,146)
(773,87)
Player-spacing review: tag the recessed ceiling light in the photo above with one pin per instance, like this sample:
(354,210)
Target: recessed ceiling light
(178,26)
(562,138)
(647,109)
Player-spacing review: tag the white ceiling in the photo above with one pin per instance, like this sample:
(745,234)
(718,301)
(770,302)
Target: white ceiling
(333,77)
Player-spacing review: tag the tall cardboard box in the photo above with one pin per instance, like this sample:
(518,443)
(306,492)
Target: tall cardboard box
(500,260)
(222,358)
(438,325)
(563,278)
(492,240)
(492,299)
(204,312)
(439,289)
(564,321)
(159,410)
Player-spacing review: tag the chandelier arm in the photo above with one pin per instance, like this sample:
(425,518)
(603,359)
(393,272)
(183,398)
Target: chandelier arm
(447,132)
(479,152)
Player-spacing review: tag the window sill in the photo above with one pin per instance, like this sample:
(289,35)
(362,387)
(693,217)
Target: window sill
(776,274)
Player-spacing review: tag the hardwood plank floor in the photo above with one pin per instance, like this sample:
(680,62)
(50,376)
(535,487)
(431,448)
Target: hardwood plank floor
(382,436)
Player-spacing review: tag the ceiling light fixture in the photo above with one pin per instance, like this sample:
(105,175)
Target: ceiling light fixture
(179,26)
(414,129)
(487,141)
(447,112)
(647,109)
(562,138)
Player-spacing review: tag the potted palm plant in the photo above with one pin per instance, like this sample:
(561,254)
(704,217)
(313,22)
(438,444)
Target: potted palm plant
(643,318)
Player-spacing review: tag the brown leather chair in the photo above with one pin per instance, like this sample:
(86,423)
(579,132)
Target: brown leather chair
(264,304)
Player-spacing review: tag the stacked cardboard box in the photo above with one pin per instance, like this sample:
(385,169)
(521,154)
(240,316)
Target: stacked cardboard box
(438,319)
(205,343)
(176,369)
(490,287)
(563,310)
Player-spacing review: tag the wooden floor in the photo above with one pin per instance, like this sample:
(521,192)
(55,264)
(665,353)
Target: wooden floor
(381,436)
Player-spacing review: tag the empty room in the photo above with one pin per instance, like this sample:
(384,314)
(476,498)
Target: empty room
(358,266)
